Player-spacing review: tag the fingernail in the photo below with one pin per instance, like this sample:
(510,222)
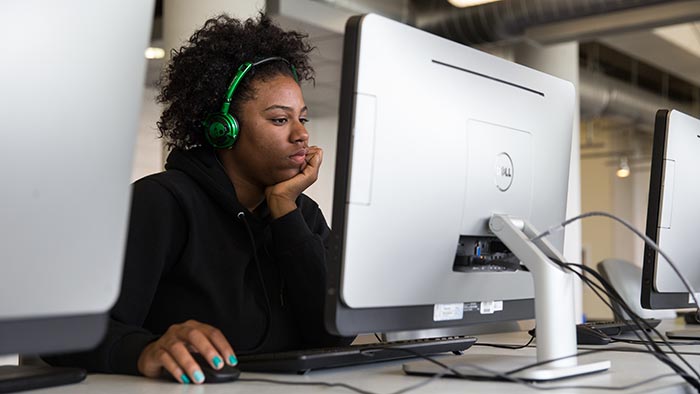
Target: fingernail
(232,360)
(185,379)
(198,376)
(217,361)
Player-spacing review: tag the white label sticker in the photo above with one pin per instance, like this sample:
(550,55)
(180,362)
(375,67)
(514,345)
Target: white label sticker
(442,312)
(497,306)
(488,307)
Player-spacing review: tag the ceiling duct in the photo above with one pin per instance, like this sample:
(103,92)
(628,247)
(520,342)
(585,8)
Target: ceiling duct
(548,21)
(601,96)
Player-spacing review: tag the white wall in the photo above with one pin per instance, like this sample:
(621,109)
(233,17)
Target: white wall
(597,239)
(623,197)
(148,155)
(323,133)
(182,17)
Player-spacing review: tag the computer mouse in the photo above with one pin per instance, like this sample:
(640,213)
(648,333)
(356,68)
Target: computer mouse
(226,374)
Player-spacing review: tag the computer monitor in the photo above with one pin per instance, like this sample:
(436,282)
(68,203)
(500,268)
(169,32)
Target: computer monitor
(434,138)
(673,214)
(71,77)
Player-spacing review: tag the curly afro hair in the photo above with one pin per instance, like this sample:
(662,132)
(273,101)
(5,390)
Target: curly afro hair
(194,83)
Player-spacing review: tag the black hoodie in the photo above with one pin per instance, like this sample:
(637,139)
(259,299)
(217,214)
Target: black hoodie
(189,255)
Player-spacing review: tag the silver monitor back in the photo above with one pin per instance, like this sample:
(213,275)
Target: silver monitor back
(673,212)
(71,82)
(434,137)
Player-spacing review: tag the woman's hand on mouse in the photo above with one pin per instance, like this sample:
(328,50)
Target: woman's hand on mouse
(172,352)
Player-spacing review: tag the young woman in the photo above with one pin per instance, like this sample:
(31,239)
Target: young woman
(225,254)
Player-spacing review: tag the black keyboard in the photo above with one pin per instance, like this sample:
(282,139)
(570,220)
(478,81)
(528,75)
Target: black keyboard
(618,327)
(301,361)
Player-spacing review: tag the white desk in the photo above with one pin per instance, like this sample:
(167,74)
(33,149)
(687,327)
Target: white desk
(388,377)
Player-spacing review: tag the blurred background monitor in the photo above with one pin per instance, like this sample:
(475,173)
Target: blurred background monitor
(435,137)
(673,214)
(72,77)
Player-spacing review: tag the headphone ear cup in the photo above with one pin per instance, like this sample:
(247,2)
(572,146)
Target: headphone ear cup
(221,130)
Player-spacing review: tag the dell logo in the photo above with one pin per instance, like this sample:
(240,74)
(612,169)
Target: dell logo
(504,171)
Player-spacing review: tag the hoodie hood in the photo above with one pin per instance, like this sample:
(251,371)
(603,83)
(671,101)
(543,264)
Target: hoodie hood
(202,165)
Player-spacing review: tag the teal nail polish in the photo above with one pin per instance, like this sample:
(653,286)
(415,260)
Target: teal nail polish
(232,360)
(198,376)
(217,361)
(185,379)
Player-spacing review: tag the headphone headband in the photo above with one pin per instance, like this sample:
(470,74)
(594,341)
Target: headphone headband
(243,70)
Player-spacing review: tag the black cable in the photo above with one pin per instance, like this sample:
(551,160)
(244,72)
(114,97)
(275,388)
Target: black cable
(498,376)
(613,294)
(611,388)
(637,350)
(492,375)
(639,322)
(646,239)
(501,376)
(675,343)
(344,385)
(293,383)
(502,346)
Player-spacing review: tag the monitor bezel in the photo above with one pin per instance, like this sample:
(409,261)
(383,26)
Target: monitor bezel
(651,298)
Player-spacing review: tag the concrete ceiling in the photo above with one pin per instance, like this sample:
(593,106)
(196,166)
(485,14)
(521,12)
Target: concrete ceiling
(675,49)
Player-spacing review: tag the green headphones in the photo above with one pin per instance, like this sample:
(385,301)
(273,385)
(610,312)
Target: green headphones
(221,128)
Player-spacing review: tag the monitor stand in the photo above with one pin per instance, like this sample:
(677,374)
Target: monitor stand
(555,316)
(690,334)
(687,334)
(555,312)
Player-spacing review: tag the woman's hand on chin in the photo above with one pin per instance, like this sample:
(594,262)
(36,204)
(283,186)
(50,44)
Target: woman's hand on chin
(281,197)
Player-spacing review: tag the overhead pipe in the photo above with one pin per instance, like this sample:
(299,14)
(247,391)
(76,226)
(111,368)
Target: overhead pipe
(601,95)
(510,19)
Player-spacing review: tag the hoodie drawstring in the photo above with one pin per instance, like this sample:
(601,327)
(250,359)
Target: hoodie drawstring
(241,216)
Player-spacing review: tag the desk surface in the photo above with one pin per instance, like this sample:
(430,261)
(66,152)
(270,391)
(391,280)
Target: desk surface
(627,368)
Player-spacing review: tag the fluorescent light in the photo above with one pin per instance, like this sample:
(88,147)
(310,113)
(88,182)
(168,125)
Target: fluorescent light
(469,3)
(623,171)
(154,53)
